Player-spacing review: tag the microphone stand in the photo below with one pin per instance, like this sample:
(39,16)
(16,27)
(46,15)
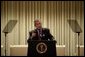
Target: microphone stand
(78,44)
(5,41)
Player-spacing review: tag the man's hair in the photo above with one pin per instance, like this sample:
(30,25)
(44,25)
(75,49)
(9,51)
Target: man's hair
(36,20)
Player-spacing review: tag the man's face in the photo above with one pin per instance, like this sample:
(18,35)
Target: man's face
(38,24)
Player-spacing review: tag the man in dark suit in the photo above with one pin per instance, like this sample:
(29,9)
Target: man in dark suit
(40,33)
(41,48)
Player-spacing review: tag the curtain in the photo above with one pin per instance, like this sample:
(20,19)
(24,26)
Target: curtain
(53,15)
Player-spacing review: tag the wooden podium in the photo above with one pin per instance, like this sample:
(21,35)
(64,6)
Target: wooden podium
(41,48)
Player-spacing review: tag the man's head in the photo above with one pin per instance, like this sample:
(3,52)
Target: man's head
(37,23)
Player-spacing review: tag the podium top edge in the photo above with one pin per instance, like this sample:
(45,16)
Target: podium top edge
(42,40)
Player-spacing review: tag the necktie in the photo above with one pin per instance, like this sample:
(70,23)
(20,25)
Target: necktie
(39,33)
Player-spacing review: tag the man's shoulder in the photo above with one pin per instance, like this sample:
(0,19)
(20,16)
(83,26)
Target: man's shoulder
(35,30)
(45,29)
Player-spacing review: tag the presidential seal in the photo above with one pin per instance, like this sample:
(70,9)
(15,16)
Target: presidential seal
(41,48)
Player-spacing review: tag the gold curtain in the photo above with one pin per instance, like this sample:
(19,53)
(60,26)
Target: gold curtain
(53,15)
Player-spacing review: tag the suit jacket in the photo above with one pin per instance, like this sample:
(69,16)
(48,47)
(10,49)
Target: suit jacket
(45,35)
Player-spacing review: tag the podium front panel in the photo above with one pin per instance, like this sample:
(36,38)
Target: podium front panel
(41,48)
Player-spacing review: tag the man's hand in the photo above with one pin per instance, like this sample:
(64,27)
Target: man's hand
(33,34)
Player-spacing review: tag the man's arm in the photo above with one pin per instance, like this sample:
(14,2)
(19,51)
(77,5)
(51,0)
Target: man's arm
(49,34)
(30,33)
